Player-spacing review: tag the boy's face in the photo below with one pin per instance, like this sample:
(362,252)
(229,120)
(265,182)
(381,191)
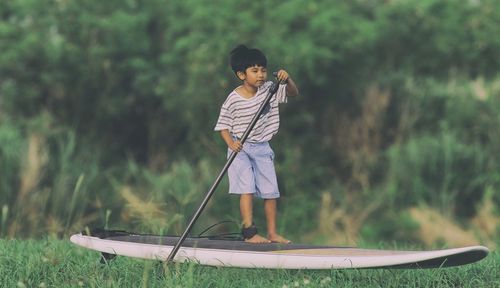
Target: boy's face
(255,75)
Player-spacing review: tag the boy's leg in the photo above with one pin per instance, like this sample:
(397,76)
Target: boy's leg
(270,209)
(246,210)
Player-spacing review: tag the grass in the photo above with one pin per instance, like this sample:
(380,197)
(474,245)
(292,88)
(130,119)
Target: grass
(58,263)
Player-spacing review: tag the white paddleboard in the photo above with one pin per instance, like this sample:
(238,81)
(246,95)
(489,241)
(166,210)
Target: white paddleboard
(232,253)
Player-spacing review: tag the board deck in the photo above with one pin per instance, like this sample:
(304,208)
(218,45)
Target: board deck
(233,253)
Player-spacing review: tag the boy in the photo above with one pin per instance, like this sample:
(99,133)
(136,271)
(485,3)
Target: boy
(252,171)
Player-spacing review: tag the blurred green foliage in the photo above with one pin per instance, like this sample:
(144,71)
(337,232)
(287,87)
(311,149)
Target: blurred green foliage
(399,106)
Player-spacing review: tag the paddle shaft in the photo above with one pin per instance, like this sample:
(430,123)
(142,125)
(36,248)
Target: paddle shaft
(272,91)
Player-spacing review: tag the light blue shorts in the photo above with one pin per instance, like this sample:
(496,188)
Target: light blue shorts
(252,171)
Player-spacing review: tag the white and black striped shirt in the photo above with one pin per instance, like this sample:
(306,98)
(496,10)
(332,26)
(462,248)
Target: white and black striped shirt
(237,112)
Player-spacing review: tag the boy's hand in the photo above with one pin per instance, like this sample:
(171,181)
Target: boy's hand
(235,146)
(282,76)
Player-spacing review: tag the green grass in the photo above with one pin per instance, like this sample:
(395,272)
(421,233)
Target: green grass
(58,263)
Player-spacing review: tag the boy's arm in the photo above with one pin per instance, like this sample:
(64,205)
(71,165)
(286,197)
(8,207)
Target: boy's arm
(233,145)
(291,88)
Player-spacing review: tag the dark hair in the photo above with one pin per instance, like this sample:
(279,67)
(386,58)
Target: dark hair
(242,57)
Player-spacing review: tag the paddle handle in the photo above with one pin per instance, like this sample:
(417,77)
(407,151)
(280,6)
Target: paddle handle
(272,90)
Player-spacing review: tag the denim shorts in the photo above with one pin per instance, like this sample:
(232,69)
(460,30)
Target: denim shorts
(252,171)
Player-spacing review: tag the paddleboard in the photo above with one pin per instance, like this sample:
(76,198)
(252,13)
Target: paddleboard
(237,253)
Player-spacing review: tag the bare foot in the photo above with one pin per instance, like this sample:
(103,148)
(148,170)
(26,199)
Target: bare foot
(279,239)
(257,239)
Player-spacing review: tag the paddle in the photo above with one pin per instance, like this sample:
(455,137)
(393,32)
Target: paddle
(272,90)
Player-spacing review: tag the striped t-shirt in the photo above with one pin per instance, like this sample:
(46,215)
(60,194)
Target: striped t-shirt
(237,112)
